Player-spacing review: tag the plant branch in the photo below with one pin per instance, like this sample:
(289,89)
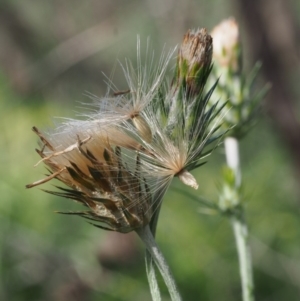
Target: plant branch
(146,236)
(151,276)
(150,269)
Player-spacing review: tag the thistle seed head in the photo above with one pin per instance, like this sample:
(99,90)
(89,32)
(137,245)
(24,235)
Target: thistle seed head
(104,176)
(120,161)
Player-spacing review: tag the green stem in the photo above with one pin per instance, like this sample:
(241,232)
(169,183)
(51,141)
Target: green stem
(238,222)
(146,236)
(151,276)
(241,237)
(150,269)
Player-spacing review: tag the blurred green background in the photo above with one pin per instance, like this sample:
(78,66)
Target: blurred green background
(51,53)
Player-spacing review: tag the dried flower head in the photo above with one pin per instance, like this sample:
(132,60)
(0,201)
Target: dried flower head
(120,161)
(103,172)
(186,127)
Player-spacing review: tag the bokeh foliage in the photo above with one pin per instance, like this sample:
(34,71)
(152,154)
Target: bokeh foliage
(45,256)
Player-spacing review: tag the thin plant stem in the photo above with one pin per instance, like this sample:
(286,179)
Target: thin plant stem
(151,276)
(241,237)
(239,224)
(147,237)
(150,268)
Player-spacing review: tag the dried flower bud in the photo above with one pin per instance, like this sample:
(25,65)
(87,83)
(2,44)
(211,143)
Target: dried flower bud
(194,60)
(227,48)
